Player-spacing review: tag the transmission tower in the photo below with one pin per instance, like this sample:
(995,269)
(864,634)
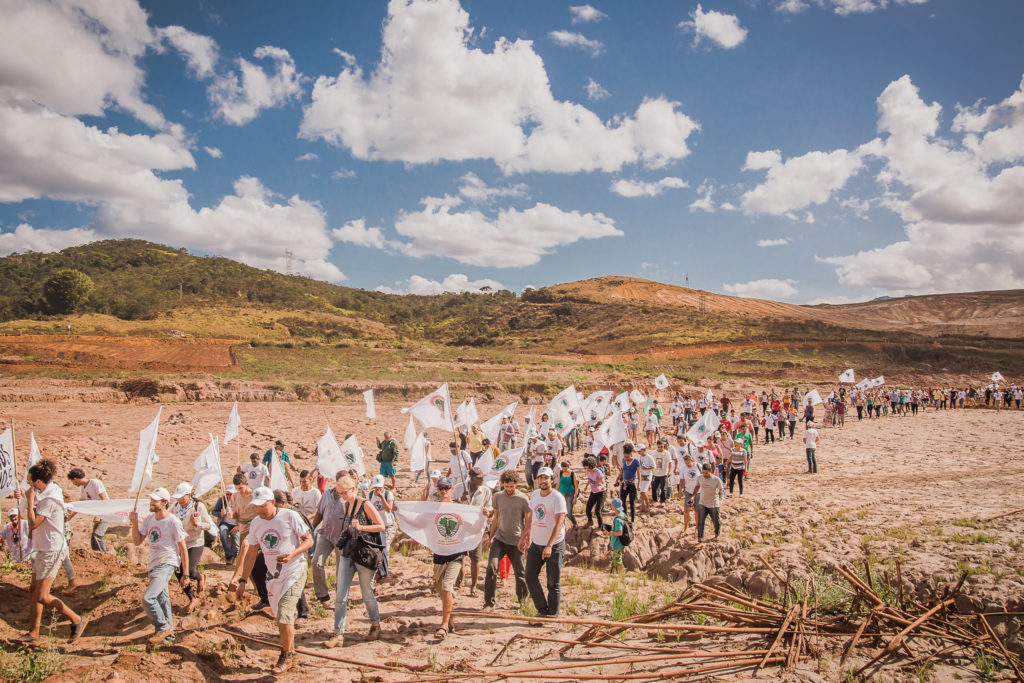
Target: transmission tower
(289,256)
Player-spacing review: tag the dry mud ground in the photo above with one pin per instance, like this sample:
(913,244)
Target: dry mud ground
(911,488)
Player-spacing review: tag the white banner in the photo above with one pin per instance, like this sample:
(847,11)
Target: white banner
(445,528)
(410,434)
(561,420)
(207,468)
(8,476)
(636,397)
(598,404)
(234,422)
(434,410)
(112,511)
(569,400)
(418,456)
(352,455)
(847,377)
(329,460)
(371,409)
(997,377)
(143,473)
(612,431)
(812,397)
(492,427)
(621,402)
(661,381)
(703,428)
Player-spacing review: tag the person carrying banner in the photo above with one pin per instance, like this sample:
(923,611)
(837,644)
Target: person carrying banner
(286,461)
(546,544)
(166,551)
(15,537)
(92,489)
(387,456)
(283,538)
(44,507)
(227,524)
(446,571)
(195,520)
(510,515)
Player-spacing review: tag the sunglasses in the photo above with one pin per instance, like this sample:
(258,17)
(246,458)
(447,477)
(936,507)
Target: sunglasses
(444,488)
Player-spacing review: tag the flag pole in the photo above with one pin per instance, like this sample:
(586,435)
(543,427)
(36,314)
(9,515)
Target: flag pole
(14,450)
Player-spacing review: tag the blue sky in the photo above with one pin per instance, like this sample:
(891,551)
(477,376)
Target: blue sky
(800,150)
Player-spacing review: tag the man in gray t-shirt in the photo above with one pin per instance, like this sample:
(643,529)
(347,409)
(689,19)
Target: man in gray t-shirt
(329,513)
(511,515)
(708,488)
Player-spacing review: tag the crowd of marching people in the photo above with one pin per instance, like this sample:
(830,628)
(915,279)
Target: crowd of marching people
(595,462)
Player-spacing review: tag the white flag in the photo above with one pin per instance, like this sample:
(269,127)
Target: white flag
(636,397)
(34,456)
(569,400)
(143,473)
(492,427)
(703,428)
(466,414)
(8,476)
(493,466)
(710,397)
(112,511)
(445,528)
(598,404)
(812,397)
(207,468)
(371,410)
(418,457)
(997,377)
(234,422)
(621,402)
(410,434)
(278,479)
(434,410)
(352,455)
(847,377)
(877,382)
(612,431)
(329,460)
(561,420)
(661,381)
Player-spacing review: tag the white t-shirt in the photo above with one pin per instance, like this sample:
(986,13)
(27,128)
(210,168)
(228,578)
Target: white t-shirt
(458,472)
(689,475)
(276,536)
(544,509)
(709,488)
(651,423)
(662,461)
(93,490)
(811,438)
(306,501)
(48,537)
(537,452)
(256,475)
(646,466)
(376,500)
(18,551)
(164,536)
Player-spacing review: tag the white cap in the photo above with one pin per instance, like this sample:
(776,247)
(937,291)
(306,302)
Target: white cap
(12,512)
(181,490)
(545,472)
(160,494)
(434,474)
(262,495)
(364,485)
(377,482)
(232,489)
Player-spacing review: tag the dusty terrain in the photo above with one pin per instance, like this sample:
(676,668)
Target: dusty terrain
(21,352)
(912,488)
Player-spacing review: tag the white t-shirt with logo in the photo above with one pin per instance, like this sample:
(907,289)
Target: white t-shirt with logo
(93,490)
(690,475)
(646,466)
(256,475)
(277,536)
(544,509)
(163,535)
(662,461)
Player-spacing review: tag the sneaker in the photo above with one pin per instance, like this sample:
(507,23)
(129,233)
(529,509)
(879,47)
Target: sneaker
(162,637)
(285,662)
(260,605)
(337,640)
(374,633)
(76,629)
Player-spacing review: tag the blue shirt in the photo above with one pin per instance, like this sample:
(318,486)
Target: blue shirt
(629,470)
(269,454)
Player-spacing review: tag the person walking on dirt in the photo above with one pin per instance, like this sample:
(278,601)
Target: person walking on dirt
(709,487)
(256,473)
(446,571)
(629,475)
(811,437)
(387,456)
(510,515)
(286,461)
(196,521)
(689,475)
(92,489)
(546,544)
(167,551)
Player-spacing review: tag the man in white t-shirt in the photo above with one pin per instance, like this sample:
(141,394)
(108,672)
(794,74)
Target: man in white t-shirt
(283,538)
(167,549)
(663,465)
(545,539)
(459,464)
(688,476)
(646,475)
(92,489)
(811,437)
(256,473)
(709,488)
(305,496)
(16,537)
(44,507)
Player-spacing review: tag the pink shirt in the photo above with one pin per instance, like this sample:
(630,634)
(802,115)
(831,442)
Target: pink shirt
(596,479)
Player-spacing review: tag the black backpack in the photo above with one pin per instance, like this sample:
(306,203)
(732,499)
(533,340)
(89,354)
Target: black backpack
(627,531)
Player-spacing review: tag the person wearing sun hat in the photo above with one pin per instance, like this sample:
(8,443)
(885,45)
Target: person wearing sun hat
(167,549)
(196,521)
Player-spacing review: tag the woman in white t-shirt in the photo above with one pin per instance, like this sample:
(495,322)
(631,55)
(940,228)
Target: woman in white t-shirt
(196,521)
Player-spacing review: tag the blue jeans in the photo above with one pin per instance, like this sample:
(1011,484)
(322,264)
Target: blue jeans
(157,600)
(346,572)
(702,515)
(322,549)
(228,540)
(546,606)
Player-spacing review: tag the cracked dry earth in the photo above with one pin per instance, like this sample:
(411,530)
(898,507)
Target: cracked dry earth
(912,489)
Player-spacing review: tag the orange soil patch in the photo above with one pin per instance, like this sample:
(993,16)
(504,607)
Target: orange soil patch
(700,350)
(82,352)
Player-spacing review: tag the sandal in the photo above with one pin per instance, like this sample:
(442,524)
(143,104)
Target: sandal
(441,633)
(451,625)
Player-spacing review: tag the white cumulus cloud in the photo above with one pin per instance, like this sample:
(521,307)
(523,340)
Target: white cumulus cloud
(239,97)
(200,52)
(704,201)
(26,238)
(773,243)
(798,182)
(595,91)
(762,289)
(308,156)
(433,96)
(355,232)
(841,7)
(456,282)
(582,14)
(722,29)
(214,152)
(636,188)
(564,38)
(476,190)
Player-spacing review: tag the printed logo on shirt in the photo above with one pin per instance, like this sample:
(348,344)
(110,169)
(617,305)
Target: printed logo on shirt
(540,512)
(154,535)
(271,540)
(253,474)
(447,525)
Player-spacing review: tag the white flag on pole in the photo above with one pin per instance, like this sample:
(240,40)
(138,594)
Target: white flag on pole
(598,404)
(278,479)
(445,528)
(418,456)
(661,381)
(878,381)
(493,426)
(703,428)
(812,397)
(612,431)
(434,410)
(561,420)
(621,402)
(410,434)
(34,456)
(234,422)
(466,414)
(568,399)
(495,465)
(143,473)
(847,377)
(8,476)
(371,410)
(353,455)
(636,397)
(997,377)
(207,468)
(112,511)
(709,397)
(329,460)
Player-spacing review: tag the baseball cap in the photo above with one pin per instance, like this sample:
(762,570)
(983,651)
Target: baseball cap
(545,472)
(232,489)
(434,474)
(377,482)
(262,495)
(182,489)
(12,512)
(444,483)
(160,494)
(617,503)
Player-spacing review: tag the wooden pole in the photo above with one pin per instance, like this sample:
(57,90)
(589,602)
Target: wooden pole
(856,638)
(999,644)
(313,653)
(986,519)
(898,638)
(625,646)
(626,624)
(778,637)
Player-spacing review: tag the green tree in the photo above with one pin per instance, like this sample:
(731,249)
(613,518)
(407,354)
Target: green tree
(66,290)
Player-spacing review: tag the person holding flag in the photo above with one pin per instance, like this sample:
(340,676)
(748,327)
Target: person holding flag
(166,550)
(446,570)
(286,462)
(92,489)
(44,507)
(196,521)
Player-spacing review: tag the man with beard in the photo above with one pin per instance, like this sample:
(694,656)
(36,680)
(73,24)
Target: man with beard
(546,543)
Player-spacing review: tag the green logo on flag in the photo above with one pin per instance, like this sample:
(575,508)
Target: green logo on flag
(447,525)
